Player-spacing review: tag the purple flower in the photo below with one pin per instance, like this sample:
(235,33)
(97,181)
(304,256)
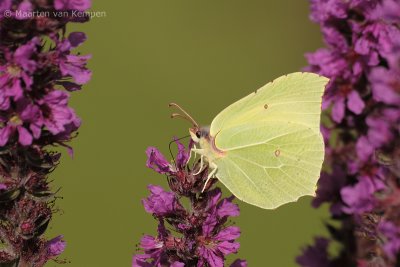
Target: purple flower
(328,63)
(151,243)
(328,189)
(24,7)
(157,162)
(26,121)
(384,84)
(56,113)
(75,66)
(74,40)
(327,9)
(71,65)
(379,131)
(227,208)
(4,5)
(52,111)
(215,248)
(364,148)
(56,246)
(15,75)
(391,232)
(221,208)
(315,256)
(353,103)
(154,248)
(376,39)
(141,260)
(335,65)
(183,155)
(160,202)
(80,5)
(239,263)
(334,39)
(389,10)
(360,197)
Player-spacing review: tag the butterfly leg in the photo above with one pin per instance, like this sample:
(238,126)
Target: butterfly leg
(191,151)
(201,165)
(199,151)
(213,168)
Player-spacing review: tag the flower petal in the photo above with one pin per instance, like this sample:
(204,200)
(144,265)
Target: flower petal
(156,161)
(355,103)
(24,136)
(338,109)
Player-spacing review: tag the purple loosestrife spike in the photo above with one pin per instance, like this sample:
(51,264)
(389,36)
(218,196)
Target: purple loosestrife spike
(199,235)
(35,116)
(362,107)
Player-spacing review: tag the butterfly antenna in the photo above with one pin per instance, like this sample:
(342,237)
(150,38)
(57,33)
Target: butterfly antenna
(170,152)
(185,115)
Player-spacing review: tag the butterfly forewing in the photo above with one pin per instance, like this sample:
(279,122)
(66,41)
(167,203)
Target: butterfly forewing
(295,97)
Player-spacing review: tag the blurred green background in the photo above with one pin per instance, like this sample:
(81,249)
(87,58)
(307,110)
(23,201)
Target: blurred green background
(203,55)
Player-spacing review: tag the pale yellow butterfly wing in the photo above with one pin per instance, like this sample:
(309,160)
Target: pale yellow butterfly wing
(273,148)
(278,167)
(295,97)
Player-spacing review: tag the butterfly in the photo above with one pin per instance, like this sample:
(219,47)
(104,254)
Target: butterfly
(266,148)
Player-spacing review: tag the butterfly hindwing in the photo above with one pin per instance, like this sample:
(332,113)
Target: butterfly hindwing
(273,171)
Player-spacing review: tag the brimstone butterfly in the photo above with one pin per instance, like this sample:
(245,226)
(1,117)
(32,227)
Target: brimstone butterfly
(267,148)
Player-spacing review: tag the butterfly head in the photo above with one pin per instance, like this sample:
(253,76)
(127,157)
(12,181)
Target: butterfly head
(198,133)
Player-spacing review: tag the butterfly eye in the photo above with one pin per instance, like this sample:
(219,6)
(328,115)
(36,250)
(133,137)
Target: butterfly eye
(198,134)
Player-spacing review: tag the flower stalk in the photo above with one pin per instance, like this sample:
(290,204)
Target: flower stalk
(38,70)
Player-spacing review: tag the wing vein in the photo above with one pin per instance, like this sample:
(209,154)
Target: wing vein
(263,142)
